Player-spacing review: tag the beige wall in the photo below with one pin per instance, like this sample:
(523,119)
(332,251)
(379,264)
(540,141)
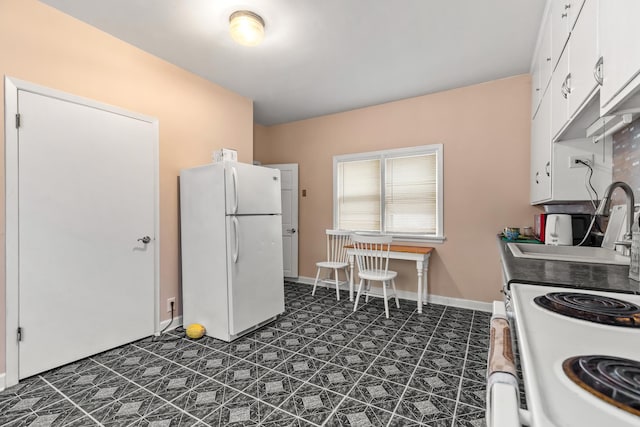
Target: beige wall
(485,133)
(46,47)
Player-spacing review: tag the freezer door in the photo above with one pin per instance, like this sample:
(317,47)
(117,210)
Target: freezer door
(252,189)
(256,279)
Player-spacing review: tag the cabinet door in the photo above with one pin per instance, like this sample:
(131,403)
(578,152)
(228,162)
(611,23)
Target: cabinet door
(559,27)
(544,58)
(536,90)
(541,153)
(619,45)
(574,10)
(583,56)
(542,68)
(559,95)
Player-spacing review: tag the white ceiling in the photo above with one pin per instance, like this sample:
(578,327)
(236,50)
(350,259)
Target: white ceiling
(326,56)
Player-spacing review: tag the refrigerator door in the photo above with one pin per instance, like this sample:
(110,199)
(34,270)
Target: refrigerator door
(256,279)
(251,190)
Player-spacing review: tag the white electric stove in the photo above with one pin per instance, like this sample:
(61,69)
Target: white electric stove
(577,372)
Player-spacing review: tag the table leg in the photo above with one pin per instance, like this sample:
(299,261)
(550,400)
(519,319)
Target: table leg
(419,267)
(351,262)
(426,281)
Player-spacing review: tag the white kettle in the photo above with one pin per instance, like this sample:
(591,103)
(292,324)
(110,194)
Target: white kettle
(558,230)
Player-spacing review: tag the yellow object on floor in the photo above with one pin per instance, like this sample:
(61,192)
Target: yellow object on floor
(195,331)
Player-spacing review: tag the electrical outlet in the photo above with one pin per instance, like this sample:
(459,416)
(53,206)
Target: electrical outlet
(587,158)
(169,302)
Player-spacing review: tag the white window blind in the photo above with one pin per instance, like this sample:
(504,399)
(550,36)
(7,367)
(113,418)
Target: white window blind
(397,192)
(410,200)
(359,195)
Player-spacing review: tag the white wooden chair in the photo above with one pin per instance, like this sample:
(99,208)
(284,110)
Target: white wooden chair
(336,259)
(372,255)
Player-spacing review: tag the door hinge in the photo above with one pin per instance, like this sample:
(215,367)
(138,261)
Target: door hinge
(17,120)
(19,334)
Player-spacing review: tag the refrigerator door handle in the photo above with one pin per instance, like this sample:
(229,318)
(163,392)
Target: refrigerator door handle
(234,177)
(236,249)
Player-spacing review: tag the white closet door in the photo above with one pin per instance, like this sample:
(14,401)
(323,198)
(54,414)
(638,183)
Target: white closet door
(86,191)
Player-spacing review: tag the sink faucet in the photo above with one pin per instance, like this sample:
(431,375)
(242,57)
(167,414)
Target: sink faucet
(603,208)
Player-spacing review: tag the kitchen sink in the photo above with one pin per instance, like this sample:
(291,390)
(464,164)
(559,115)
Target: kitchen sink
(584,254)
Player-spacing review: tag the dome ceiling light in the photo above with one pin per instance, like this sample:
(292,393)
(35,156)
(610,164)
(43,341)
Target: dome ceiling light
(246,28)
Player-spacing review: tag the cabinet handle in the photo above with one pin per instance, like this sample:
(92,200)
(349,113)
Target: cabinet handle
(565,89)
(597,71)
(564,15)
(567,6)
(549,59)
(537,89)
(546,168)
(537,174)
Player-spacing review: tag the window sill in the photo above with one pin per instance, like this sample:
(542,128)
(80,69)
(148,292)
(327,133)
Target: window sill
(419,239)
(400,238)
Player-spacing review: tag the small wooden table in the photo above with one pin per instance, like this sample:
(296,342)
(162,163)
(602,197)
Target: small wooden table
(412,253)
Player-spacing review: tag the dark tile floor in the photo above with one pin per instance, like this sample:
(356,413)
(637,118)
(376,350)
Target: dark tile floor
(318,364)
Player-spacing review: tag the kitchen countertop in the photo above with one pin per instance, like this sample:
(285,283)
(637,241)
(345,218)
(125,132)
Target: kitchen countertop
(600,277)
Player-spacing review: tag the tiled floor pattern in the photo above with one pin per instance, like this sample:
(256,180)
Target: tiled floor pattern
(318,364)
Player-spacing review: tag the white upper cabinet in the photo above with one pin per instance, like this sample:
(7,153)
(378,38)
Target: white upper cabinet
(584,57)
(536,90)
(564,14)
(560,92)
(540,189)
(542,68)
(564,109)
(619,30)
(559,27)
(574,10)
(546,64)
(573,81)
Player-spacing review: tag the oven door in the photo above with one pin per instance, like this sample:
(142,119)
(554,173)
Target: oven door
(503,405)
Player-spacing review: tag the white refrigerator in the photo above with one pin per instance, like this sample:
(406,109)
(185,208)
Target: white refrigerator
(231,238)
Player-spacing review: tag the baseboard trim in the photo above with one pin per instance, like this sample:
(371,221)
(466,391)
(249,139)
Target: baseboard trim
(413,296)
(461,303)
(177,322)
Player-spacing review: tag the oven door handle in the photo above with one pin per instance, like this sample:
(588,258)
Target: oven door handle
(503,405)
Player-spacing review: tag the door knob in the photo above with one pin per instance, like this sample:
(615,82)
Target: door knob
(145,239)
(291,230)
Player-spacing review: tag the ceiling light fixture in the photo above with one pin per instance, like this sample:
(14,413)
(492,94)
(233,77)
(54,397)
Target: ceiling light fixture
(246,28)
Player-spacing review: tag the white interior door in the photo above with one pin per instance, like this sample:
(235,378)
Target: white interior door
(289,176)
(86,195)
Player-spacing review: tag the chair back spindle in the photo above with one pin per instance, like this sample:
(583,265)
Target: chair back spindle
(337,240)
(372,252)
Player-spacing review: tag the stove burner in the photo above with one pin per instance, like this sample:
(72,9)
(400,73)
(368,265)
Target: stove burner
(612,379)
(594,308)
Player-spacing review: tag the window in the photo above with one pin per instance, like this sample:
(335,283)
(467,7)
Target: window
(397,192)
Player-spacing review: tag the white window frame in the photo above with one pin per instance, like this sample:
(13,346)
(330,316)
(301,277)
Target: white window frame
(388,154)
